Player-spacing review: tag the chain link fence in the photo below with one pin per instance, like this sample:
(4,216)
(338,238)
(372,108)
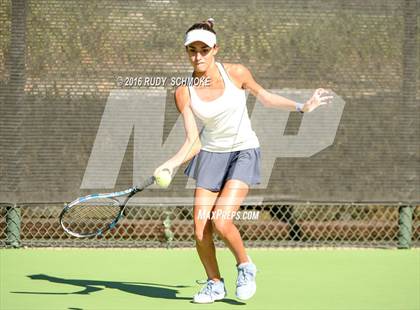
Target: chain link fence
(265,225)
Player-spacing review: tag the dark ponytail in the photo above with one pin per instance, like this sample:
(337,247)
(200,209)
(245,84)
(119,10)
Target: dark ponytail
(206,25)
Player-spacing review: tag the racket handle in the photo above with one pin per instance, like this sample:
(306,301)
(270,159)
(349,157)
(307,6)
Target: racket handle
(149,181)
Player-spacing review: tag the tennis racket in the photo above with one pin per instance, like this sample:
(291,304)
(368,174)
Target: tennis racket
(92,215)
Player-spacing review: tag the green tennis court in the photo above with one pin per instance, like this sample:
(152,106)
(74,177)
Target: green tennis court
(157,279)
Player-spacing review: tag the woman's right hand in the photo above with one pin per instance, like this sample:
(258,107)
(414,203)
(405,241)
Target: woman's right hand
(165,165)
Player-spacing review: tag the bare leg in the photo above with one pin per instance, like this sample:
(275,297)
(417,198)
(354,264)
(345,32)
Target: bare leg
(203,231)
(230,199)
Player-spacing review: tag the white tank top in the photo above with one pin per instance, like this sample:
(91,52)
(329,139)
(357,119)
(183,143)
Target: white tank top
(227,126)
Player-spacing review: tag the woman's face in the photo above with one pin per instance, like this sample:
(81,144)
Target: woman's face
(201,55)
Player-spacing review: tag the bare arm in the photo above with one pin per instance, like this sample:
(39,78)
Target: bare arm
(246,81)
(192,144)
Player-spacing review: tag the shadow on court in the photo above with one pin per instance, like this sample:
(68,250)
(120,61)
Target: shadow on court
(153,290)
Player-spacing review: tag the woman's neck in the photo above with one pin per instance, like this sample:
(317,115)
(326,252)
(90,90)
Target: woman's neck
(212,72)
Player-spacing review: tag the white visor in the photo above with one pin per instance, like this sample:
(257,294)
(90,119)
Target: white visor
(205,36)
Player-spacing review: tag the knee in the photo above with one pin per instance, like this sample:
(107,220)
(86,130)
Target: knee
(221,227)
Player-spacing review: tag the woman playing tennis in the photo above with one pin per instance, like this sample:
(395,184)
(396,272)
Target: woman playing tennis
(225,156)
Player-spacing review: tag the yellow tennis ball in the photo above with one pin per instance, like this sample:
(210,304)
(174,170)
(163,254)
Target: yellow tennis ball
(164,178)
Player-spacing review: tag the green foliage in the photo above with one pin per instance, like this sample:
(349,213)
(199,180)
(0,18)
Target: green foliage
(83,45)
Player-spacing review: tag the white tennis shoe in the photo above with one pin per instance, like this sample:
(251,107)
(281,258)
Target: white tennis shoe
(210,292)
(245,285)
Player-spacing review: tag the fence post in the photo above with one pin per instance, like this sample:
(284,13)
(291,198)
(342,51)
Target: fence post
(13,226)
(405,224)
(167,223)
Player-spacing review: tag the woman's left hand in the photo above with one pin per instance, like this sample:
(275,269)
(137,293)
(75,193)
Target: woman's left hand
(320,97)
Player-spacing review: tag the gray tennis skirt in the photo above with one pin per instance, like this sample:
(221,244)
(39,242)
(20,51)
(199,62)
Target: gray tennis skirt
(212,169)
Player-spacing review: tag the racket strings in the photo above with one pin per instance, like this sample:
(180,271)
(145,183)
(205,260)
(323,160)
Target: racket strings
(91,216)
